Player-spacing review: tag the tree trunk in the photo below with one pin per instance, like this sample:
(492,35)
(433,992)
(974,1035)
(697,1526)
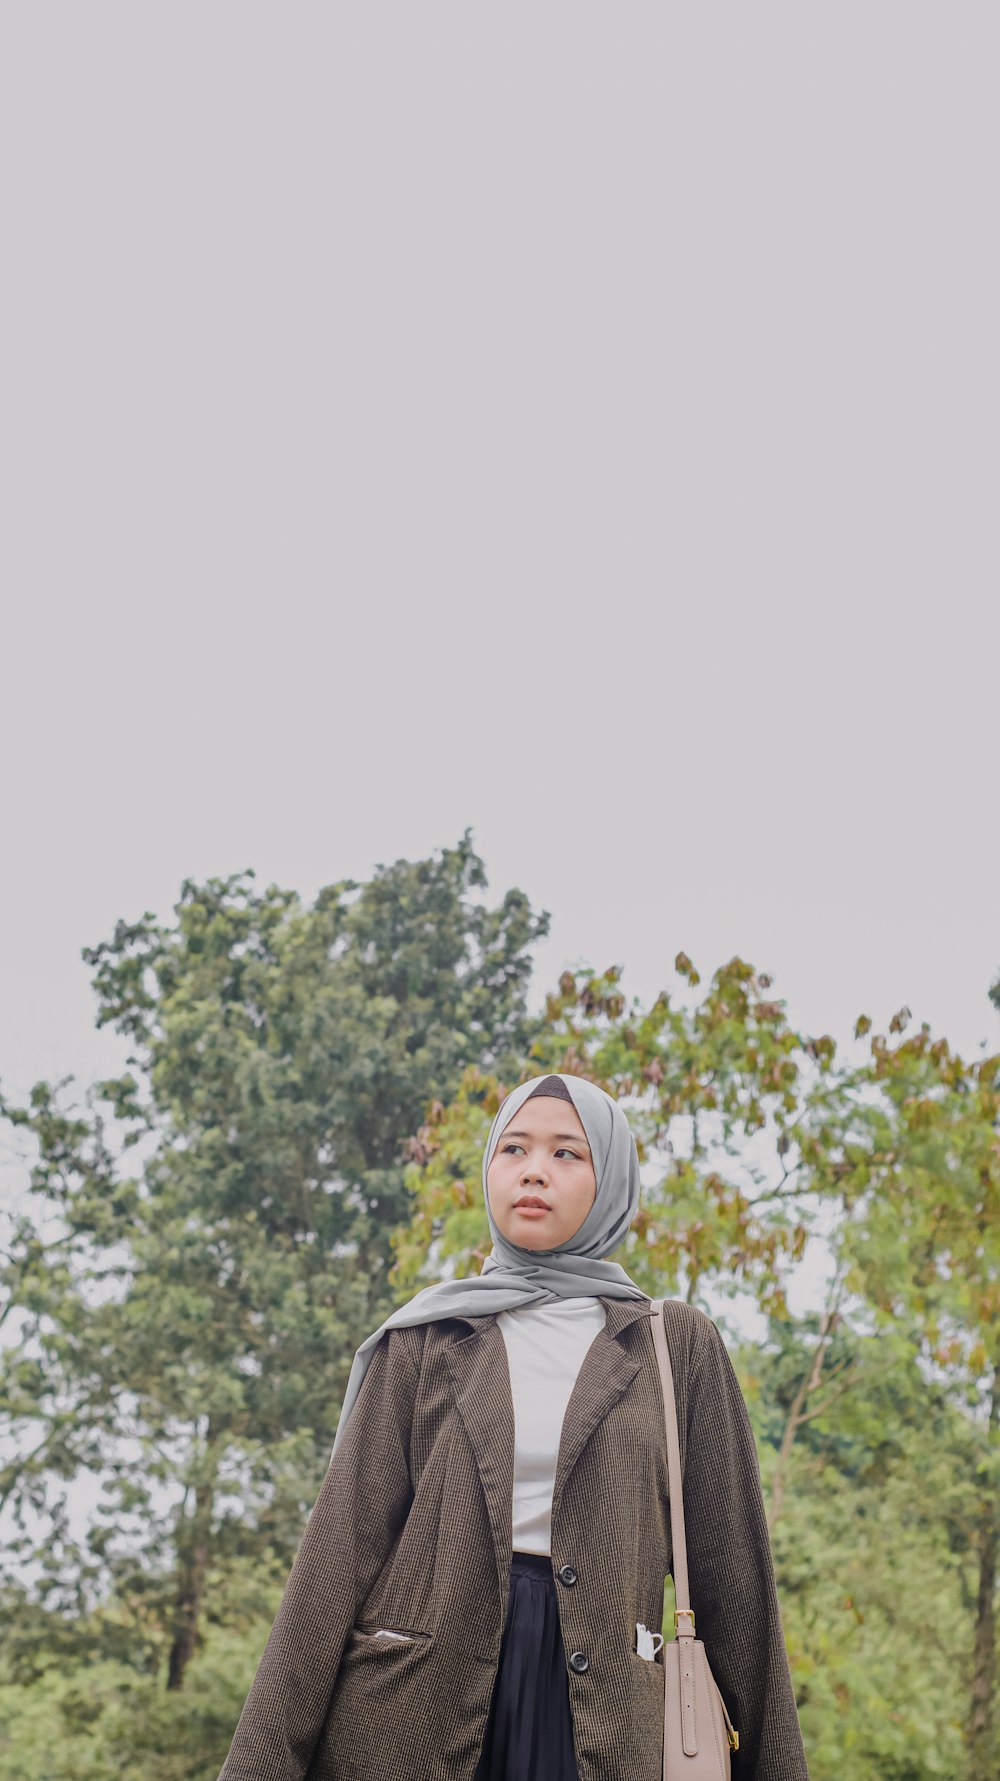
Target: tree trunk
(798,1414)
(982,1756)
(788,1435)
(192,1562)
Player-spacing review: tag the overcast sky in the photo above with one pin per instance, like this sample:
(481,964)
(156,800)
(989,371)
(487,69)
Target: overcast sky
(579,423)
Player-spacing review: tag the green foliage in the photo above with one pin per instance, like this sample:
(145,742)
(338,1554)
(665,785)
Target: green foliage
(296,1147)
(703,1081)
(224,1211)
(752,1136)
(102,1721)
(871,1579)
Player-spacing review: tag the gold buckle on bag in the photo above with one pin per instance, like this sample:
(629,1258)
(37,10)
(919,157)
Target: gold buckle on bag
(683,1611)
(731,1733)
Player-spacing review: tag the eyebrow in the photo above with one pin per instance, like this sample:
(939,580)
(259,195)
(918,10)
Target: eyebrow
(561,1137)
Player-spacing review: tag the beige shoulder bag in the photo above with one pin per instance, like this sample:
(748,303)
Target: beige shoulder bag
(698,1733)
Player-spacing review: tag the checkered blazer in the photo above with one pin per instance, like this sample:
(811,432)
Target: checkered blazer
(411,1531)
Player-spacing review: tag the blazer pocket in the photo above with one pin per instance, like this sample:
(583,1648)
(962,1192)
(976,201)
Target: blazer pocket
(388,1632)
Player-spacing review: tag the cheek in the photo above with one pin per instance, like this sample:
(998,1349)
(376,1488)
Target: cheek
(496,1171)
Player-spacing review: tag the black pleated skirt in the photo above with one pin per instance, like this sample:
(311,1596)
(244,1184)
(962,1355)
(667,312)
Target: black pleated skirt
(529,1734)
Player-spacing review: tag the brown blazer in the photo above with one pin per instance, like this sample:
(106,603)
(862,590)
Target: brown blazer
(412,1531)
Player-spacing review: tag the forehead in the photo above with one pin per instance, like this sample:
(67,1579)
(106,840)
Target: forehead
(545,1116)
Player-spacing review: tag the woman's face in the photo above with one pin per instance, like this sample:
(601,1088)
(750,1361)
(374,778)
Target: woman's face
(542,1156)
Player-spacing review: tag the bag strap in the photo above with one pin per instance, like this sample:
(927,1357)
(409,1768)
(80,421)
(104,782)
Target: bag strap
(683,1612)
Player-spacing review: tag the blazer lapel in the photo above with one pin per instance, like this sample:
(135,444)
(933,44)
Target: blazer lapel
(608,1367)
(480,1378)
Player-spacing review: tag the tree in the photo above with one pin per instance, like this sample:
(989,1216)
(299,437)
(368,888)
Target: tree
(268,1196)
(753,1130)
(870,1551)
(912,1142)
(713,1089)
(223,1211)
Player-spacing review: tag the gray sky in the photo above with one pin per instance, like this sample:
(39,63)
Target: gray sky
(580,423)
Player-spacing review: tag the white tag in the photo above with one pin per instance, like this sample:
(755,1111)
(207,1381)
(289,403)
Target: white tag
(647,1644)
(385,1632)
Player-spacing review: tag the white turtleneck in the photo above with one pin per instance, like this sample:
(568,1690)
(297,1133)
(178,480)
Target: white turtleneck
(545,1349)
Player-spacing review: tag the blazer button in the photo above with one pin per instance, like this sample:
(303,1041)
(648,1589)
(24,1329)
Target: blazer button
(566,1574)
(579,1661)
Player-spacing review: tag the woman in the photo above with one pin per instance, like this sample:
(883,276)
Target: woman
(493,1529)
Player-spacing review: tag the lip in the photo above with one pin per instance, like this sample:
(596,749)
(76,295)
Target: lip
(533,1211)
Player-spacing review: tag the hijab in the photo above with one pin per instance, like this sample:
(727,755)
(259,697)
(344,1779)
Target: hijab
(512,1276)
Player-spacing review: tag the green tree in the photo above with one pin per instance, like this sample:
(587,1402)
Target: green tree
(912,1145)
(713,1087)
(222,1214)
(204,1306)
(756,1132)
(870,1551)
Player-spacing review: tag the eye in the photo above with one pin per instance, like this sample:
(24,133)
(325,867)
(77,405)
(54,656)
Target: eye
(510,1145)
(563,1151)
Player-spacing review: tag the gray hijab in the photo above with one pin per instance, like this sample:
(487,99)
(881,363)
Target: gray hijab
(513,1276)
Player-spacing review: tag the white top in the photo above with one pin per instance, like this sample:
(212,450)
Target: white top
(545,1349)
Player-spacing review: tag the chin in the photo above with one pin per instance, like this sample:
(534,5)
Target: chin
(547,1242)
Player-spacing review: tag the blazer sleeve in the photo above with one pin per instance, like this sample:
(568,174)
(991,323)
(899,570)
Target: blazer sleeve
(731,1573)
(359,1512)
